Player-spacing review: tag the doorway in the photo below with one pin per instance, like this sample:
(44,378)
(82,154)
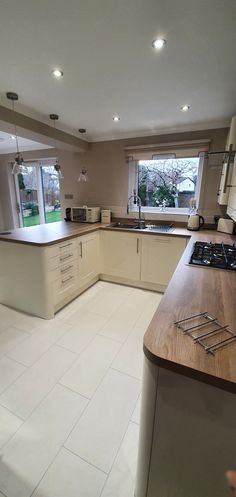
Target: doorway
(38,194)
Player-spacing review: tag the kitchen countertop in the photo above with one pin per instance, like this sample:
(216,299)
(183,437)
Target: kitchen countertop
(192,290)
(49,234)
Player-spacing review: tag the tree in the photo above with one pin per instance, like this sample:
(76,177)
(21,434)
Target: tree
(159,179)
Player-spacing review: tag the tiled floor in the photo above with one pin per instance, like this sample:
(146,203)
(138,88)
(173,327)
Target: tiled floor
(70,395)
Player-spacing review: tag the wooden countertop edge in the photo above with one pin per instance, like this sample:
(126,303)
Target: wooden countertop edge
(190,372)
(180,232)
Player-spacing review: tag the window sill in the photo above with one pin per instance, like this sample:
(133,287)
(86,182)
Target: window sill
(168,214)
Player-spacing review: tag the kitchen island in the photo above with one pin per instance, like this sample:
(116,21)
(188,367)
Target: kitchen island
(42,268)
(188,419)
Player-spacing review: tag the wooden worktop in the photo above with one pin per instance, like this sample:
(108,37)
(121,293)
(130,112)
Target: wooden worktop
(48,234)
(192,290)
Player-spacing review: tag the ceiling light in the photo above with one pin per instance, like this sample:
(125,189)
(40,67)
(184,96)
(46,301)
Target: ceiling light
(57,73)
(82,130)
(116,118)
(57,167)
(184,108)
(158,43)
(12,137)
(18,165)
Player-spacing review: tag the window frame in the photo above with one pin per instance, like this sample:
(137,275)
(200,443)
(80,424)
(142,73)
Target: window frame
(182,150)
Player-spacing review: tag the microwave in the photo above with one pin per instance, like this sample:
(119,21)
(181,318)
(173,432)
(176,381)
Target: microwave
(85,214)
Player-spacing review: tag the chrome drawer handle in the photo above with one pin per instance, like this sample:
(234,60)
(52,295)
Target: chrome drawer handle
(67,279)
(67,245)
(66,257)
(66,269)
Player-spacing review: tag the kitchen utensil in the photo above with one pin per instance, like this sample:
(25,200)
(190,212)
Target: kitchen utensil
(195,222)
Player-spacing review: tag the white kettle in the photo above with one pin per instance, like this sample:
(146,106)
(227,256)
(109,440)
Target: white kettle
(195,222)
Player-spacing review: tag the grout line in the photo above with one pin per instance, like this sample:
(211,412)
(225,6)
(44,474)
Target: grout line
(127,374)
(53,459)
(85,460)
(73,391)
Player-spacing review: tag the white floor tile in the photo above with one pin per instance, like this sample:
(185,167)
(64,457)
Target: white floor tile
(9,338)
(129,359)
(98,434)
(30,323)
(86,373)
(30,350)
(9,372)
(106,303)
(121,480)
(51,330)
(120,323)
(81,333)
(9,318)
(9,424)
(70,476)
(31,387)
(29,453)
(137,412)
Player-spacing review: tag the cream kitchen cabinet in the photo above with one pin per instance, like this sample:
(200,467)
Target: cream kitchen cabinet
(231,209)
(120,255)
(160,256)
(63,272)
(88,259)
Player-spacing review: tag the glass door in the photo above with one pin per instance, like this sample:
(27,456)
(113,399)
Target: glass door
(38,194)
(51,194)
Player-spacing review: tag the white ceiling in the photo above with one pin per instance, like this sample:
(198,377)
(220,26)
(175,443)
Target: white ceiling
(104,48)
(8,145)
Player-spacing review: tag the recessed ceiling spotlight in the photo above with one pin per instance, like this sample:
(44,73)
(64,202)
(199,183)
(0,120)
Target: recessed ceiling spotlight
(57,73)
(184,108)
(82,130)
(116,118)
(12,137)
(158,43)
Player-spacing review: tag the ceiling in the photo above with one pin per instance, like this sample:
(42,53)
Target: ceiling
(8,145)
(104,49)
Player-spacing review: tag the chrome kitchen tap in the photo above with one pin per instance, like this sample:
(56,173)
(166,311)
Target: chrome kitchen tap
(137,200)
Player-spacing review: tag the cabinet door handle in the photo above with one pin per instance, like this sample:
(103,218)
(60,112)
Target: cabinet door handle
(162,240)
(81,250)
(137,245)
(66,257)
(67,245)
(66,269)
(67,279)
(230,186)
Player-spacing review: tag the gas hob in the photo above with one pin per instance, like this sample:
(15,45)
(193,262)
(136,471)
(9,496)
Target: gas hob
(216,255)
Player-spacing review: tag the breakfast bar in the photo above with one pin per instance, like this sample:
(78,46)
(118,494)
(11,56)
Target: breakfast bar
(188,422)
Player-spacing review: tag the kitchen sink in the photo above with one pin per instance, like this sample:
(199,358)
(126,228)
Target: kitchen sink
(125,226)
(161,228)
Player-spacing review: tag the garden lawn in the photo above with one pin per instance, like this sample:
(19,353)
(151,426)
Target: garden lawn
(51,217)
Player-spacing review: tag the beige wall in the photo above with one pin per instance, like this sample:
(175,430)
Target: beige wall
(108,174)
(108,171)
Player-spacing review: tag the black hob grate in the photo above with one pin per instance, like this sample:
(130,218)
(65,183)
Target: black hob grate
(217,255)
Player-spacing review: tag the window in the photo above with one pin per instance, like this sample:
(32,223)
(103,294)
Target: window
(166,180)
(38,194)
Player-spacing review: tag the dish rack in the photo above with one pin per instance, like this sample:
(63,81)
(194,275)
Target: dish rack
(206,331)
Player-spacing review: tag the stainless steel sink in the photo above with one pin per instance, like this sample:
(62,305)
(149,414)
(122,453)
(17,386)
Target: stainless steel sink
(161,228)
(125,226)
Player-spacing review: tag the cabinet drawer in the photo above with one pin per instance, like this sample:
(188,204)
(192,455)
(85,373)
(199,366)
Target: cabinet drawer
(61,272)
(64,287)
(62,260)
(62,249)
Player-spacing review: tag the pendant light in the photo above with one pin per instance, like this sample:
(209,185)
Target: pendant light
(57,167)
(18,165)
(83,176)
